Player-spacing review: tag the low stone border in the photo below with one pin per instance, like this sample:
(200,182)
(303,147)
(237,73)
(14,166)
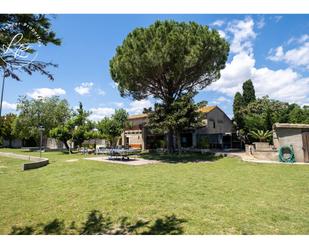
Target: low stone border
(251,159)
(35,165)
(36,162)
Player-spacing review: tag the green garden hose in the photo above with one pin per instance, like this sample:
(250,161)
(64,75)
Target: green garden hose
(286,154)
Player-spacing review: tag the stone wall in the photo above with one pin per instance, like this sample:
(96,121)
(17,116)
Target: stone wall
(262,151)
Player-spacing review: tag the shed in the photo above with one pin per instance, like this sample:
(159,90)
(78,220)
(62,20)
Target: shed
(297,135)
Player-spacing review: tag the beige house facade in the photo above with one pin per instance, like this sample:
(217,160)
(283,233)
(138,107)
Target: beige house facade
(217,129)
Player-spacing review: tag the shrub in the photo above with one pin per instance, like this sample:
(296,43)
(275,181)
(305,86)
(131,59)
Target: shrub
(203,143)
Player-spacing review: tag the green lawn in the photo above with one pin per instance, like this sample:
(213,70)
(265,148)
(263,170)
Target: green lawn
(223,196)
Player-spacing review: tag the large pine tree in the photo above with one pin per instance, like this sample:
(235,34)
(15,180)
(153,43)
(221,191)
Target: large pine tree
(168,60)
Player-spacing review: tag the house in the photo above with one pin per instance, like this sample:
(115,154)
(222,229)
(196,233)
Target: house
(217,129)
(297,135)
(135,135)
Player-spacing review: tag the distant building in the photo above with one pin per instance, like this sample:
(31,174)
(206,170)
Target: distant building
(217,129)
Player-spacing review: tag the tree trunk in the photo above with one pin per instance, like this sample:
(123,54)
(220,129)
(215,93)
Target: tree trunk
(170,141)
(178,143)
(67,146)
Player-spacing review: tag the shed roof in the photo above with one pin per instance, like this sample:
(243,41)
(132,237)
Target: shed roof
(291,126)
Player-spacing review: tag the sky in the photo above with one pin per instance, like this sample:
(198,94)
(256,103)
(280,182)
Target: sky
(271,50)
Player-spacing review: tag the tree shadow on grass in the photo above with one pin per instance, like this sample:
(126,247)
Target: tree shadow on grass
(99,224)
(185,157)
(168,225)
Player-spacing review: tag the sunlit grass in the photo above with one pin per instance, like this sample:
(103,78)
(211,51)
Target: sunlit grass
(223,196)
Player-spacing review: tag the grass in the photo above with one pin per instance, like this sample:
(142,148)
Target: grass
(222,196)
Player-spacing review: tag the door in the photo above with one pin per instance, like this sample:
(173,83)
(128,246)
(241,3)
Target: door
(306,146)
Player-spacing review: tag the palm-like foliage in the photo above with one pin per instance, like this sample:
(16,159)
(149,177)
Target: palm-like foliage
(261,135)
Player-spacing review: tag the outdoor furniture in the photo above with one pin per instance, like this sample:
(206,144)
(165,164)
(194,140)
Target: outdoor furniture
(101,150)
(86,151)
(121,153)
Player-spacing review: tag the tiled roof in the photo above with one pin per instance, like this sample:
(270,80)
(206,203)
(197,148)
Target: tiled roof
(208,108)
(204,109)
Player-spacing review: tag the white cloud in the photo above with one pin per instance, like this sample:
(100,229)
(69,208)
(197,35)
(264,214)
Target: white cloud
(295,57)
(222,33)
(277,18)
(235,72)
(222,99)
(283,84)
(46,92)
(260,23)
(101,92)
(118,104)
(113,84)
(277,56)
(218,23)
(84,88)
(100,113)
(243,35)
(8,106)
(303,38)
(137,106)
(299,40)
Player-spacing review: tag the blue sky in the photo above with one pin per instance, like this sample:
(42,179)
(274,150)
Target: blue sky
(272,50)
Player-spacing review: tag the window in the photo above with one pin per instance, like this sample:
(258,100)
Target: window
(214,124)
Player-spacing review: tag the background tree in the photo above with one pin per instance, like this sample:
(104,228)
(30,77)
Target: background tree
(168,60)
(237,109)
(94,133)
(299,115)
(6,127)
(81,125)
(28,30)
(63,133)
(261,113)
(112,127)
(76,128)
(248,94)
(48,112)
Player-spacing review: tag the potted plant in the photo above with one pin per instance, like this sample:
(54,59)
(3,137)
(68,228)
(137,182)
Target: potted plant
(262,137)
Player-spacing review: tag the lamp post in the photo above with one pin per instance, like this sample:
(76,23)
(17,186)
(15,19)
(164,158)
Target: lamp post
(2,90)
(41,129)
(95,130)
